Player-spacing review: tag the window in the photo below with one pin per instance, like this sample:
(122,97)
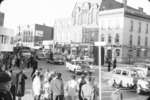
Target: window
(109,39)
(117,38)
(146,28)
(102,37)
(138,53)
(118,71)
(145,53)
(117,52)
(125,73)
(131,27)
(139,40)
(139,30)
(146,41)
(12,40)
(130,41)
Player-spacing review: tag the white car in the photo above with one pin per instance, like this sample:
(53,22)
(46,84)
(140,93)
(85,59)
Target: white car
(143,85)
(125,77)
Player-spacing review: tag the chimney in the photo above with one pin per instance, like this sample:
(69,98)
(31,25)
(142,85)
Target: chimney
(124,3)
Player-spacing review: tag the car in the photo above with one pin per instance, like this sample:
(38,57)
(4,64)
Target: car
(26,53)
(41,55)
(79,67)
(57,58)
(125,77)
(143,85)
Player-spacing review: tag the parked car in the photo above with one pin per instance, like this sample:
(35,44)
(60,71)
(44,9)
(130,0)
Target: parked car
(125,77)
(57,58)
(143,85)
(42,55)
(79,67)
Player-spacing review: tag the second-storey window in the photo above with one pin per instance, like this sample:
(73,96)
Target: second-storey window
(130,41)
(139,40)
(131,27)
(109,39)
(146,41)
(139,29)
(117,38)
(146,28)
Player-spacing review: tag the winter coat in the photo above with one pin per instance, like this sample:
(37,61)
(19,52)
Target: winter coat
(20,86)
(36,85)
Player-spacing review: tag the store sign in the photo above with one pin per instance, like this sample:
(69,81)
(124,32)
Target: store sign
(39,33)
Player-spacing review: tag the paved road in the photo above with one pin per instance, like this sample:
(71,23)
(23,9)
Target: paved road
(107,90)
(42,64)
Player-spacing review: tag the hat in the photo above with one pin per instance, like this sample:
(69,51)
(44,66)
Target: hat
(4,77)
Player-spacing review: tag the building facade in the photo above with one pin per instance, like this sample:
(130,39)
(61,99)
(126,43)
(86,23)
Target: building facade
(125,31)
(33,35)
(82,27)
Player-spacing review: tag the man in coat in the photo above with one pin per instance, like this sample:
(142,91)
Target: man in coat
(57,88)
(5,85)
(34,66)
(20,86)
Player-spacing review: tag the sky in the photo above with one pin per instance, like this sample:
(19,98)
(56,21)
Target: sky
(18,12)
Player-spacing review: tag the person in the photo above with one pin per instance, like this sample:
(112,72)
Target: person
(36,86)
(71,88)
(20,84)
(47,90)
(13,86)
(114,63)
(5,85)
(80,84)
(109,65)
(87,90)
(34,66)
(57,88)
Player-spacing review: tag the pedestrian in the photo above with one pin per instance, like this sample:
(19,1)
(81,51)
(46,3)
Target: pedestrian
(36,86)
(20,84)
(57,88)
(109,65)
(5,85)
(80,84)
(71,88)
(13,85)
(87,90)
(114,63)
(34,66)
(47,95)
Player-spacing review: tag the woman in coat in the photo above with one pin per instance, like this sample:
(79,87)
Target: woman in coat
(20,85)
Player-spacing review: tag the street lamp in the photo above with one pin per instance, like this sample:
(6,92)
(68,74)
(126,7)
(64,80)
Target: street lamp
(100,44)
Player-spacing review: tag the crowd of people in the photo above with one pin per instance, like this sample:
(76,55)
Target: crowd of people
(46,84)
(49,85)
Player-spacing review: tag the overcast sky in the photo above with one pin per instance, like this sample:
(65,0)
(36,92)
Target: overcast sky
(46,11)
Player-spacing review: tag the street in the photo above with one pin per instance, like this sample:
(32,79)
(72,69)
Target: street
(107,90)
(58,68)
